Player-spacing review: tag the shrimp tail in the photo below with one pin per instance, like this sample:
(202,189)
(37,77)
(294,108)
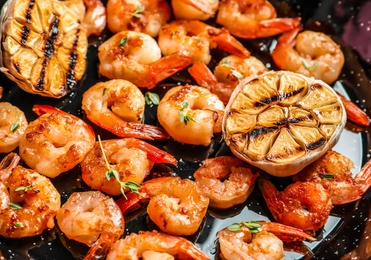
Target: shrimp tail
(7,165)
(354,113)
(131,202)
(228,43)
(276,26)
(154,154)
(286,233)
(271,196)
(168,65)
(46,109)
(289,36)
(364,177)
(121,128)
(206,79)
(100,248)
(202,75)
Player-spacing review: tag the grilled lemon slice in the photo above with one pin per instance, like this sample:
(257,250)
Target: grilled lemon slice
(282,121)
(43,46)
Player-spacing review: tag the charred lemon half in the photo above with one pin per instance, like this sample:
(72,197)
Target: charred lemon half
(282,121)
(43,46)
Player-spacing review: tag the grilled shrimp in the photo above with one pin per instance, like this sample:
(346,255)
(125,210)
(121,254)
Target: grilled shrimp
(55,142)
(191,114)
(176,205)
(146,16)
(44,47)
(13,124)
(197,38)
(29,201)
(313,54)
(304,205)
(91,13)
(227,74)
(237,185)
(136,57)
(253,19)
(333,171)
(91,218)
(130,157)
(155,245)
(118,106)
(257,240)
(194,9)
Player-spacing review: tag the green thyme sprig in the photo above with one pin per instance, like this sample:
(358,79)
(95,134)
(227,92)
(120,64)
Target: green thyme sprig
(14,126)
(123,41)
(15,206)
(184,118)
(327,176)
(138,12)
(25,189)
(234,72)
(253,226)
(151,98)
(132,186)
(310,68)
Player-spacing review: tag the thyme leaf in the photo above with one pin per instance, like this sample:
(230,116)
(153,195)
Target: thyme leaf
(234,72)
(14,126)
(327,176)
(151,98)
(132,186)
(253,226)
(184,118)
(15,206)
(123,41)
(138,12)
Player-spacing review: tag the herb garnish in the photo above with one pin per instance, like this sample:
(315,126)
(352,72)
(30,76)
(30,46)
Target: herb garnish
(253,226)
(133,186)
(138,12)
(235,72)
(15,206)
(151,98)
(14,126)
(308,67)
(123,41)
(327,176)
(184,118)
(25,189)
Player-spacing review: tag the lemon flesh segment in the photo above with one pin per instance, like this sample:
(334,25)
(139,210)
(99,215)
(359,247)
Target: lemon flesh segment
(282,121)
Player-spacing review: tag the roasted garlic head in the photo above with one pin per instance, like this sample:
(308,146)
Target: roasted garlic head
(43,46)
(282,121)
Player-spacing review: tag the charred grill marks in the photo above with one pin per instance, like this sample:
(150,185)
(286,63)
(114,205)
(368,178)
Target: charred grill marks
(316,144)
(262,131)
(290,94)
(70,75)
(29,10)
(49,46)
(25,33)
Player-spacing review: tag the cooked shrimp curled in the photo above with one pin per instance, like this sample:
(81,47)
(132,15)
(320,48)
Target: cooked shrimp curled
(176,205)
(55,142)
(146,16)
(155,245)
(313,54)
(191,114)
(237,185)
(29,200)
(13,124)
(131,158)
(118,106)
